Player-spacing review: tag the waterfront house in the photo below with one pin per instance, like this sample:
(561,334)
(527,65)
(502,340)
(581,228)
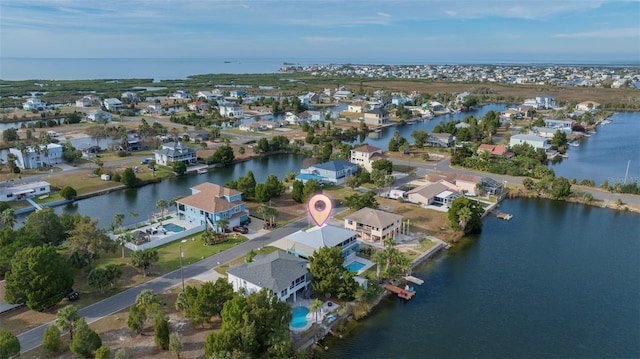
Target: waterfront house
(237,94)
(305,242)
(436,194)
(376,117)
(37,157)
(565,126)
(285,275)
(175,151)
(197,106)
(334,172)
(180,95)
(373,224)
(541,102)
(537,142)
(34,104)
(359,106)
(252,127)
(365,155)
(441,140)
(209,95)
(22,191)
(210,203)
(436,106)
(494,150)
(99,116)
(543,131)
(588,106)
(83,102)
(154,109)
(112,104)
(342,94)
(465,183)
(230,109)
(291,118)
(129,97)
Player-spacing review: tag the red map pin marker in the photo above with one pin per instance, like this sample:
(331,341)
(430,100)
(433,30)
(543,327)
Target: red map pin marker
(319,208)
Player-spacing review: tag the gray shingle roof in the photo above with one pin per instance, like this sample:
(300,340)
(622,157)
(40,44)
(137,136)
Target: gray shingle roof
(274,271)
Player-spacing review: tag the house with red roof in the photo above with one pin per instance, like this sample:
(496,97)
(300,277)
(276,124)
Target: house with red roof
(364,156)
(210,203)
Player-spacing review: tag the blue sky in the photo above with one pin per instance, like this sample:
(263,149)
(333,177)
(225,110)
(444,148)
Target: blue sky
(389,31)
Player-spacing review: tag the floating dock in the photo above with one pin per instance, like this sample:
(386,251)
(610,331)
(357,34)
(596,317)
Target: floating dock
(413,279)
(505,216)
(402,293)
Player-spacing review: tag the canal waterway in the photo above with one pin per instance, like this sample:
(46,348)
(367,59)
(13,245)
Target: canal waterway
(606,154)
(559,280)
(143,200)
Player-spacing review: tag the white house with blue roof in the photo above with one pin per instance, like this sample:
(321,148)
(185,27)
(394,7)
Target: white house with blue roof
(334,172)
(305,242)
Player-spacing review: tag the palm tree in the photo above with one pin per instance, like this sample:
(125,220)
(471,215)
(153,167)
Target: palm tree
(223,224)
(379,259)
(464,216)
(117,222)
(66,318)
(262,211)
(315,305)
(8,218)
(123,239)
(161,204)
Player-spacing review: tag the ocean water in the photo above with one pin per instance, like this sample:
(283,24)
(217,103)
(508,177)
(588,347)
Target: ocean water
(14,69)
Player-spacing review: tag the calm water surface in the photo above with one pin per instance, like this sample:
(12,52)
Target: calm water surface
(557,281)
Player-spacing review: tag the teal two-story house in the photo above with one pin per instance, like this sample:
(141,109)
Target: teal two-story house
(209,203)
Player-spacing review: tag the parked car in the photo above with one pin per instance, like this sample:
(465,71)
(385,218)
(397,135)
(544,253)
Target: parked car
(73,295)
(241,229)
(145,161)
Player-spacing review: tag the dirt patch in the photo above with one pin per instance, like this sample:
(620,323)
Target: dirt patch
(116,335)
(288,208)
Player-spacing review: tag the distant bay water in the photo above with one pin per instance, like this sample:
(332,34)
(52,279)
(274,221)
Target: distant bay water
(17,69)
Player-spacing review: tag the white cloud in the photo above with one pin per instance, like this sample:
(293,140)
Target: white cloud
(384,14)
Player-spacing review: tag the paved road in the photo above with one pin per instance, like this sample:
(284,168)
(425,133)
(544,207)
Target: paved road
(33,338)
(444,165)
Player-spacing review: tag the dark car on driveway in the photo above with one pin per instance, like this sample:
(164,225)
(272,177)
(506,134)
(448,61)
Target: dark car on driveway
(241,229)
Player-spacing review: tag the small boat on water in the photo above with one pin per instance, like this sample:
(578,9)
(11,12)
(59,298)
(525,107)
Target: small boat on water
(202,170)
(574,143)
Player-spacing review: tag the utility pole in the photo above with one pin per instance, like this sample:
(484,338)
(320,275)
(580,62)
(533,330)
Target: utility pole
(181,271)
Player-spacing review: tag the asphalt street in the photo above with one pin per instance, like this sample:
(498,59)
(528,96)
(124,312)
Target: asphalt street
(33,338)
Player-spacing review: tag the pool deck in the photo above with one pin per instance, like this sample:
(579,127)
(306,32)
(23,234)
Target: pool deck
(311,316)
(367,264)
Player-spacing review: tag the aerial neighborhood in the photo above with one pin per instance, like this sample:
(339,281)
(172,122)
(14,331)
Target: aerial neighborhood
(219,182)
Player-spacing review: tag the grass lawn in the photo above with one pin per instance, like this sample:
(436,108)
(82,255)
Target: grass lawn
(194,250)
(81,181)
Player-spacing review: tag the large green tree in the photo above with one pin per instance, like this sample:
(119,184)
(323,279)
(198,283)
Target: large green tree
(201,304)
(465,214)
(328,273)
(39,277)
(161,331)
(311,187)
(358,201)
(144,259)
(86,340)
(45,227)
(297,189)
(87,240)
(223,155)
(51,341)
(560,188)
(384,165)
(256,326)
(9,345)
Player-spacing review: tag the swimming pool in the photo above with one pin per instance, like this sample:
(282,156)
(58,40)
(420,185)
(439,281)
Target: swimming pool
(355,266)
(299,317)
(173,227)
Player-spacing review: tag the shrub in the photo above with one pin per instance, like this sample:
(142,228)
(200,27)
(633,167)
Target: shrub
(68,192)
(51,342)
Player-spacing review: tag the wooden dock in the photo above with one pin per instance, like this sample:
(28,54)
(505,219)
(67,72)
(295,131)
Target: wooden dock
(402,293)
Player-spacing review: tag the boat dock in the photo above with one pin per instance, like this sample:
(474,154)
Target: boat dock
(414,280)
(505,216)
(402,293)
